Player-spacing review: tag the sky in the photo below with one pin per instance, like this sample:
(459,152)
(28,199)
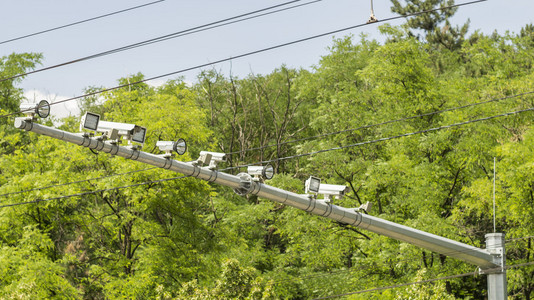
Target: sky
(318,17)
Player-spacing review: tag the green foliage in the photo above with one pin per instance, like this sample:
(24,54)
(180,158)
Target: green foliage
(28,273)
(189,239)
(234,282)
(439,11)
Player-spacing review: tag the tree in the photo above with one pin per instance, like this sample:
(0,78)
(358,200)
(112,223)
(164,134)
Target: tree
(435,12)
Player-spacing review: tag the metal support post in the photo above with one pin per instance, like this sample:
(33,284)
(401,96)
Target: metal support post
(497,287)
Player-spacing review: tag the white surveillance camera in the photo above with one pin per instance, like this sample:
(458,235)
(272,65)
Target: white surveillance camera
(211,158)
(131,132)
(366,207)
(122,128)
(168,146)
(333,190)
(42,109)
(261,172)
(165,145)
(314,185)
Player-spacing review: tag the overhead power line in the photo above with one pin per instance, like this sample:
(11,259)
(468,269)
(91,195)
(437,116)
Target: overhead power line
(198,29)
(423,281)
(373,266)
(93,192)
(294,156)
(74,182)
(400,285)
(521,238)
(293,141)
(185,32)
(241,55)
(78,22)
(389,138)
(382,123)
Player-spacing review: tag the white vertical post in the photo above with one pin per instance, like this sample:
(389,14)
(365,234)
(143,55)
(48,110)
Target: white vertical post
(497,287)
(494,175)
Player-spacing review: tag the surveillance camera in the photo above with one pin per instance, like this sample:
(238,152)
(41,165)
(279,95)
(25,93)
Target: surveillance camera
(217,156)
(122,128)
(259,172)
(167,146)
(314,185)
(42,109)
(211,158)
(366,207)
(332,190)
(114,130)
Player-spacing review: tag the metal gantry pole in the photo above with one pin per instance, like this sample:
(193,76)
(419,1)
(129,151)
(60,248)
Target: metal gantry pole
(486,259)
(497,286)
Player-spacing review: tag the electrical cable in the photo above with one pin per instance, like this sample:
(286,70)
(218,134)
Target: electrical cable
(389,138)
(75,182)
(192,30)
(519,239)
(98,191)
(299,140)
(302,139)
(425,281)
(93,192)
(383,123)
(340,147)
(78,22)
(240,55)
(366,267)
(399,285)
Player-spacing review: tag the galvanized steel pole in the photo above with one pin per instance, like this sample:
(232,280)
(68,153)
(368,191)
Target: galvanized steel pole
(497,286)
(243,184)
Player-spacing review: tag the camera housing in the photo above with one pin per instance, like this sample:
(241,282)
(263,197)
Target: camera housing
(332,191)
(313,185)
(179,147)
(41,109)
(261,173)
(211,159)
(130,132)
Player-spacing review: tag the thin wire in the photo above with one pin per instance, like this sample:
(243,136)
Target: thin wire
(154,40)
(388,138)
(93,192)
(521,238)
(75,182)
(78,22)
(368,266)
(383,123)
(425,281)
(240,55)
(336,148)
(97,191)
(399,285)
(293,141)
(192,31)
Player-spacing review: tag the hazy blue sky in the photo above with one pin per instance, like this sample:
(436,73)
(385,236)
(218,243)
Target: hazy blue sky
(28,16)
